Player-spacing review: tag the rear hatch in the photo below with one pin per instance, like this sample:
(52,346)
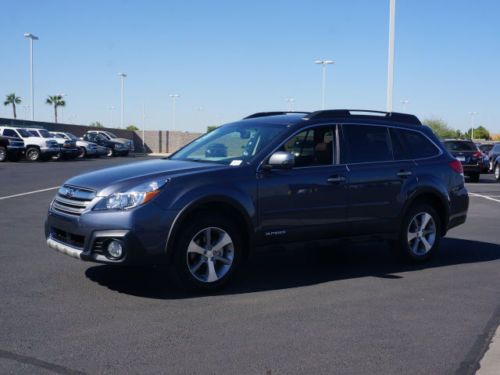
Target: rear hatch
(464,151)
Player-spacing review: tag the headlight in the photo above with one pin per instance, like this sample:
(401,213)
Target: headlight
(133,197)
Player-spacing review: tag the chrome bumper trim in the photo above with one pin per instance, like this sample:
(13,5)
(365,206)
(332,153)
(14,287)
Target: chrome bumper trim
(65,249)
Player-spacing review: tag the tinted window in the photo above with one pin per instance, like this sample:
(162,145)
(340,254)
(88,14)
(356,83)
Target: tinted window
(9,133)
(312,147)
(460,146)
(496,148)
(367,143)
(399,151)
(23,133)
(418,144)
(33,133)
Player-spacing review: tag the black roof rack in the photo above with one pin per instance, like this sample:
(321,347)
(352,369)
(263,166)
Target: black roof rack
(264,114)
(363,113)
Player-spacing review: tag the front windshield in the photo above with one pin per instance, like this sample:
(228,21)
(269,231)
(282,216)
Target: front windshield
(23,133)
(230,144)
(45,133)
(110,135)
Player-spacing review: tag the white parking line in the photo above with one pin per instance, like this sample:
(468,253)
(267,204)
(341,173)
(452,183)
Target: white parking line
(485,197)
(31,192)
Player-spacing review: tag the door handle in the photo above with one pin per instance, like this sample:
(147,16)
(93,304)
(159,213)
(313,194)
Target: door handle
(336,179)
(404,173)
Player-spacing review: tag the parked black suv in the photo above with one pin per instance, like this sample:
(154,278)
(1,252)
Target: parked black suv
(283,178)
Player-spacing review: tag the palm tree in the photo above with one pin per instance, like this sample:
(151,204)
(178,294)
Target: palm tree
(12,99)
(56,101)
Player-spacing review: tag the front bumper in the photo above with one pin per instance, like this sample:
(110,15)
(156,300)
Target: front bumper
(142,231)
(70,152)
(50,150)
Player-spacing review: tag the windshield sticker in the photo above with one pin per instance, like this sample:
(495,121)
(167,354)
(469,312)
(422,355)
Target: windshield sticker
(235,163)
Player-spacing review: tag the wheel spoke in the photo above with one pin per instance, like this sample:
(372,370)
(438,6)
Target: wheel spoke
(195,248)
(427,245)
(198,264)
(222,259)
(223,242)
(211,274)
(412,236)
(208,238)
(425,221)
(414,248)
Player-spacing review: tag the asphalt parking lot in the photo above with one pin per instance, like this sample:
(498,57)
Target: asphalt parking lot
(356,310)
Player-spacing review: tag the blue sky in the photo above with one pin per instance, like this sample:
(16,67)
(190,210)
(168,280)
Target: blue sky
(227,59)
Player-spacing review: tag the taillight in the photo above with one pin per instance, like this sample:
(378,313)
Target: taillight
(456,166)
(477,154)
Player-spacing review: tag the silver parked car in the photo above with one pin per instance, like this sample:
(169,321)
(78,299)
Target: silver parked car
(86,149)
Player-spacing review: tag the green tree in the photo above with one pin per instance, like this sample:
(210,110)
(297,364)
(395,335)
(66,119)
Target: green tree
(479,133)
(132,128)
(56,101)
(441,128)
(96,124)
(211,128)
(12,99)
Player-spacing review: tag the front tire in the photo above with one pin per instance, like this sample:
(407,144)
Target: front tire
(497,172)
(208,252)
(420,234)
(83,153)
(110,153)
(33,154)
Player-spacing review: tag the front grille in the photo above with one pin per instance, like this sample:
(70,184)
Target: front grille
(72,200)
(67,238)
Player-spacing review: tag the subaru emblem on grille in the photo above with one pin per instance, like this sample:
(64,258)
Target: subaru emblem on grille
(70,192)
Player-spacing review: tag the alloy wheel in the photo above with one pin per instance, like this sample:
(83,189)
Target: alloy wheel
(3,154)
(33,154)
(210,254)
(421,233)
(497,172)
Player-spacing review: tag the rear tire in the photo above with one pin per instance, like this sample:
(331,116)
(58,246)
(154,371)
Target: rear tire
(33,154)
(207,266)
(83,153)
(3,153)
(474,177)
(420,234)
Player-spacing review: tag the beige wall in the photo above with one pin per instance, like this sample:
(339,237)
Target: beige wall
(164,141)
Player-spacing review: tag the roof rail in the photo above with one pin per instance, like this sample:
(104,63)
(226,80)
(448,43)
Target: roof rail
(363,113)
(275,113)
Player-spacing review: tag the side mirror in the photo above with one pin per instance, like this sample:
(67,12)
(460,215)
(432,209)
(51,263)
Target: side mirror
(281,160)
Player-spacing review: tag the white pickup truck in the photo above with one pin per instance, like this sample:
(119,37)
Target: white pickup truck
(37,148)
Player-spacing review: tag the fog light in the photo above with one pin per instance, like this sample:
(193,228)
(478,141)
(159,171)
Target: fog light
(115,249)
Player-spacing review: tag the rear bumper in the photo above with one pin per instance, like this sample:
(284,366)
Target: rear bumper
(472,168)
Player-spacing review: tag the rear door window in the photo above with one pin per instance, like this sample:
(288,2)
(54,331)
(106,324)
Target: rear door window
(366,143)
(418,145)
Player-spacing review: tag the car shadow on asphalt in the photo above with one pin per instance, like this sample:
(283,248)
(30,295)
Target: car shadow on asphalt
(297,268)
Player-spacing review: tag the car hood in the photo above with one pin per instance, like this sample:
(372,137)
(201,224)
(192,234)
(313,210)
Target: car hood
(109,180)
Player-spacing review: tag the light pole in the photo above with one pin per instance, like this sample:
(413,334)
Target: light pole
(404,103)
(122,79)
(31,37)
(323,63)
(472,116)
(174,100)
(290,104)
(390,57)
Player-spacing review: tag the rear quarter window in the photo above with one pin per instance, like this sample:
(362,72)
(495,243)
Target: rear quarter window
(418,145)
